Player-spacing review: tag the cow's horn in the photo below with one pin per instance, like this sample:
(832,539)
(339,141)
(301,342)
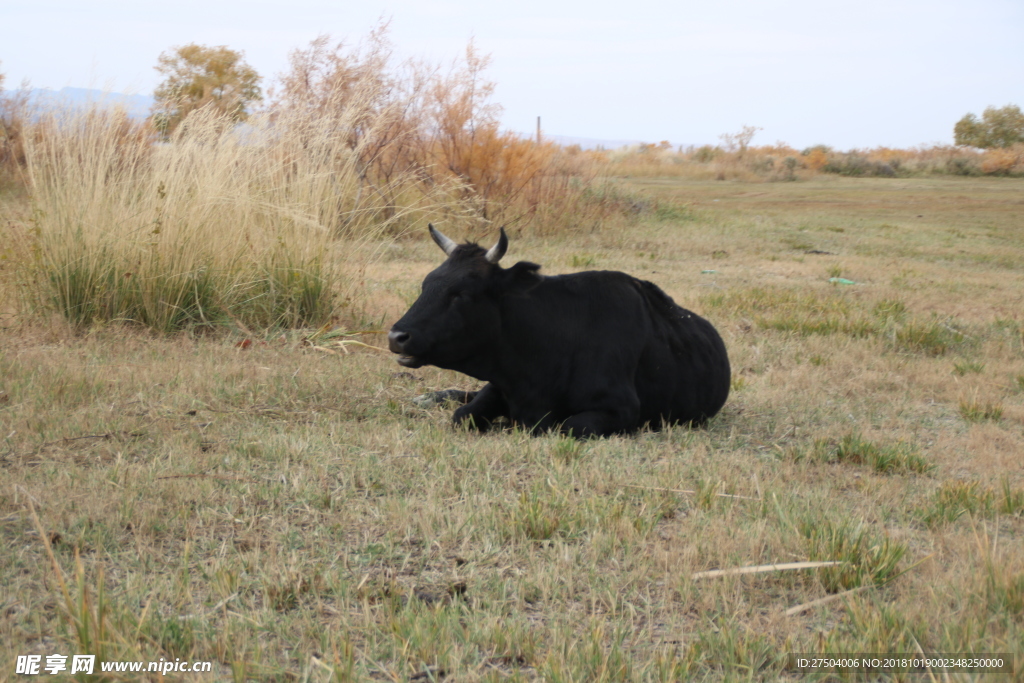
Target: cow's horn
(446,243)
(495,253)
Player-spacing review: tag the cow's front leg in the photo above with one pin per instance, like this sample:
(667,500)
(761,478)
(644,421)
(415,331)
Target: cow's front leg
(487,406)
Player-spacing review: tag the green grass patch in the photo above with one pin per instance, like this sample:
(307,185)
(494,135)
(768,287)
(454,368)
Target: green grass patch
(675,213)
(803,313)
(733,651)
(871,625)
(854,449)
(582,260)
(974,410)
(828,313)
(866,558)
(599,655)
(890,309)
(172,291)
(932,338)
(958,498)
(1004,591)
(968,367)
(954,499)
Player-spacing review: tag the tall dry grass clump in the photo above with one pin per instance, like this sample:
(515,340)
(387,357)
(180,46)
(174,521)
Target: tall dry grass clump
(223,222)
(261,223)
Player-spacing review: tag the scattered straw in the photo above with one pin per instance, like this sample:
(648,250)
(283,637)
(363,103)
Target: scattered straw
(687,492)
(823,601)
(761,569)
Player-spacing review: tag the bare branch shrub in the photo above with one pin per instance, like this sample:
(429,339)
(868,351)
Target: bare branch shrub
(440,128)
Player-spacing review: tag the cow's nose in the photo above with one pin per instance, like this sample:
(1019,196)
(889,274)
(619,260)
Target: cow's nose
(397,340)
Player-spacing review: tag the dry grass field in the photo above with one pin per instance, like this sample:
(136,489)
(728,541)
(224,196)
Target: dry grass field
(275,503)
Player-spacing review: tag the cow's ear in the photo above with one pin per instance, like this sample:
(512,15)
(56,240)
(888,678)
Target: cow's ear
(523,275)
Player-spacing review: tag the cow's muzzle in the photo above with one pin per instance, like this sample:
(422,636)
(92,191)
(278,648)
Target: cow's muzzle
(397,341)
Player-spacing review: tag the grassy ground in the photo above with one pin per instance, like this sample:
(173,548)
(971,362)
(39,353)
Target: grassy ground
(281,509)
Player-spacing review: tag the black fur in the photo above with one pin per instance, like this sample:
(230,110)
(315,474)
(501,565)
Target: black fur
(591,354)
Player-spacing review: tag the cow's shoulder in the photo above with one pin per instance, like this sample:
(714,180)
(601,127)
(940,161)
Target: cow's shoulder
(658,300)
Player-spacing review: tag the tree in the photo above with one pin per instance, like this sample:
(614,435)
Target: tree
(198,76)
(1002,127)
(738,142)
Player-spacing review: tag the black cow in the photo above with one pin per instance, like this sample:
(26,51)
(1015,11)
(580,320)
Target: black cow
(593,353)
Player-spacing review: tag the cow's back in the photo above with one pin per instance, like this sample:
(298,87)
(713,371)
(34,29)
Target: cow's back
(608,331)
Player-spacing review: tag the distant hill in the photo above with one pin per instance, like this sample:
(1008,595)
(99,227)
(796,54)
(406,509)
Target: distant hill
(138,106)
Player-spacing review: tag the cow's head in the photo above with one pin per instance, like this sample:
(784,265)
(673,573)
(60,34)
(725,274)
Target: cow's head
(457,314)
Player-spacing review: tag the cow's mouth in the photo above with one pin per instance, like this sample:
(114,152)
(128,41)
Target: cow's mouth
(409,361)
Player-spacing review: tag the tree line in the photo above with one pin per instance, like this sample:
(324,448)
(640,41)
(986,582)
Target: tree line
(198,76)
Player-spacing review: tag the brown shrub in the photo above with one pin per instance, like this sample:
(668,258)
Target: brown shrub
(440,128)
(781,162)
(1003,160)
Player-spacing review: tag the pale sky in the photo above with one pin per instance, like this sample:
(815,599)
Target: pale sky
(847,73)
